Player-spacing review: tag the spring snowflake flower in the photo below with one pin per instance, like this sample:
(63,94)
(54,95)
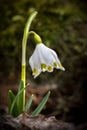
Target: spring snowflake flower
(44,59)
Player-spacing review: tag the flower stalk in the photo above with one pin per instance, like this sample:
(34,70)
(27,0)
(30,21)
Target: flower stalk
(24,43)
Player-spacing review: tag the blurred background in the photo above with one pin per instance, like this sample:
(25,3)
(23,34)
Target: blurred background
(62,24)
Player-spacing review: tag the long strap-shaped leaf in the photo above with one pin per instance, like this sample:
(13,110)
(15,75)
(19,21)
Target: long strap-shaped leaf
(41,105)
(11,98)
(27,107)
(16,98)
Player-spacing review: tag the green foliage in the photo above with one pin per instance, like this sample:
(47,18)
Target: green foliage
(15,103)
(41,105)
(11,98)
(27,106)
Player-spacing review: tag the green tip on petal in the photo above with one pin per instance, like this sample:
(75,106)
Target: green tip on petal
(43,67)
(50,68)
(61,67)
(55,64)
(58,65)
(35,71)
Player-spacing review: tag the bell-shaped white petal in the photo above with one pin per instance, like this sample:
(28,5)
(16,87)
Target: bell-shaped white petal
(44,59)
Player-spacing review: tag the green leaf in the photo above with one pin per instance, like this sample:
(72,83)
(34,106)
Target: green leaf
(20,97)
(15,100)
(27,107)
(11,98)
(41,105)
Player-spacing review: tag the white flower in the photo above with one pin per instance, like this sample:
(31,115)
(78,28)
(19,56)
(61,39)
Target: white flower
(44,59)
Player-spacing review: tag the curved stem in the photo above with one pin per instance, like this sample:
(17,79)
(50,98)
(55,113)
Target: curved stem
(24,43)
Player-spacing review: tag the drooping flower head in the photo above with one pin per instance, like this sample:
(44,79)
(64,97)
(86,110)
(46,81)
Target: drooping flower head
(44,59)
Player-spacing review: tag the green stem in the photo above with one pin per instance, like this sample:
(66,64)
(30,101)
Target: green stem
(24,43)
